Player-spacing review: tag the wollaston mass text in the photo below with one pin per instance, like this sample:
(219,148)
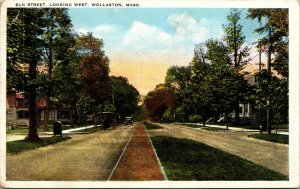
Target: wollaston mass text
(106,4)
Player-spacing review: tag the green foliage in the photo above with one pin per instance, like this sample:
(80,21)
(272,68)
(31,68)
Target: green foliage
(140,113)
(151,126)
(217,52)
(192,125)
(214,129)
(178,76)
(278,21)
(185,159)
(85,106)
(125,96)
(168,115)
(195,118)
(88,45)
(235,38)
(276,91)
(67,88)
(24,31)
(284,139)
(27,25)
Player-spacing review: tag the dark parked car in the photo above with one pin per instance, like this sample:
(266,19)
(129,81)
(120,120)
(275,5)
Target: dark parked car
(128,120)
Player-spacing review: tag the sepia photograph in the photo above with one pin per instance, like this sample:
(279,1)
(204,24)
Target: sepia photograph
(134,94)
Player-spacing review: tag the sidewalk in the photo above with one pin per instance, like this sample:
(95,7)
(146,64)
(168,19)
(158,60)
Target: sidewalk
(14,137)
(237,129)
(71,131)
(138,162)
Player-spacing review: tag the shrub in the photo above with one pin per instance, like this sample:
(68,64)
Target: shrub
(168,115)
(195,118)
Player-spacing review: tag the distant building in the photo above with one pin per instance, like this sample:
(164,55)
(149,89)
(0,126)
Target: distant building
(17,111)
(249,71)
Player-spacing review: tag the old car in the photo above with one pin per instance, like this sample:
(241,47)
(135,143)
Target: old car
(128,120)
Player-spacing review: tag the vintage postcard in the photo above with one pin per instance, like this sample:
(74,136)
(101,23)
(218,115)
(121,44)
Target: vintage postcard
(140,93)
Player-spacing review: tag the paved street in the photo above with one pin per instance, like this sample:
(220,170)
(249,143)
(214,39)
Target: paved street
(271,155)
(84,157)
(93,156)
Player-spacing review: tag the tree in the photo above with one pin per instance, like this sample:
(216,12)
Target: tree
(125,96)
(278,100)
(67,87)
(26,49)
(157,101)
(276,20)
(235,40)
(179,79)
(217,52)
(201,95)
(57,39)
(95,78)
(94,67)
(225,85)
(227,88)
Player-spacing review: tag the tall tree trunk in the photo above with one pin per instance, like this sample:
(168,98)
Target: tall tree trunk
(71,118)
(95,118)
(32,133)
(269,129)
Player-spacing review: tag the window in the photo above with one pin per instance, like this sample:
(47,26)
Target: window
(23,114)
(241,109)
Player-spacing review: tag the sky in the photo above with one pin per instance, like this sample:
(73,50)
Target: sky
(143,43)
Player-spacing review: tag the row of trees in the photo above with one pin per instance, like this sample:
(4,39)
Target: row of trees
(212,84)
(77,68)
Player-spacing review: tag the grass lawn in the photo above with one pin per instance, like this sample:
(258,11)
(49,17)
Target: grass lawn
(192,125)
(150,126)
(185,159)
(215,129)
(284,139)
(24,131)
(21,145)
(281,126)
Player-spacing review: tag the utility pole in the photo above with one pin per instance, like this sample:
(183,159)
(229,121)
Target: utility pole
(269,80)
(259,63)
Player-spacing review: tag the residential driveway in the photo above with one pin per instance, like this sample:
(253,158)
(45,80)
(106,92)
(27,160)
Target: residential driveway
(84,157)
(271,155)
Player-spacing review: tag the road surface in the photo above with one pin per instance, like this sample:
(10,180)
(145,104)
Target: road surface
(84,157)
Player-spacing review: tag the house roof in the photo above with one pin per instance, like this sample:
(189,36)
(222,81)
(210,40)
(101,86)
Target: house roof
(254,68)
(19,95)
